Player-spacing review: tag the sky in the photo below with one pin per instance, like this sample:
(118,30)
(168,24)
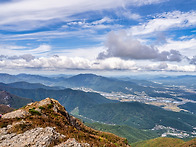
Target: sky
(110,36)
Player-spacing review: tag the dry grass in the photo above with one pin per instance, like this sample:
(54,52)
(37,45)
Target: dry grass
(64,124)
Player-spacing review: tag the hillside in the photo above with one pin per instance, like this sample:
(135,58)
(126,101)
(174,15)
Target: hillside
(189,106)
(5,109)
(13,100)
(100,83)
(26,85)
(184,80)
(6,78)
(47,123)
(163,142)
(139,115)
(132,134)
(67,97)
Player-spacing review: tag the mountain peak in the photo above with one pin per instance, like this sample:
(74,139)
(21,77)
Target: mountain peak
(49,116)
(89,75)
(4,93)
(38,108)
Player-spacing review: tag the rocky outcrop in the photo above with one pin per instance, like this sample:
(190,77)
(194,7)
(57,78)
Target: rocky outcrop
(47,123)
(21,113)
(38,137)
(72,143)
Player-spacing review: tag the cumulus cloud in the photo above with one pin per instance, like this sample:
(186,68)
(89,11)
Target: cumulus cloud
(114,63)
(193,60)
(162,66)
(122,45)
(186,47)
(170,67)
(63,62)
(27,57)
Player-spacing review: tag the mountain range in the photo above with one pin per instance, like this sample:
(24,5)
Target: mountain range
(98,83)
(138,118)
(67,97)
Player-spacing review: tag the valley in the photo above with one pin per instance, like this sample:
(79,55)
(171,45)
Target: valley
(166,103)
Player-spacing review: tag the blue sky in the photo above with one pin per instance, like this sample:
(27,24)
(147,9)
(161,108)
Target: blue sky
(121,36)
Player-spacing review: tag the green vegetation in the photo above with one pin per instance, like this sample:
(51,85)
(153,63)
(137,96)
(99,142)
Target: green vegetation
(159,142)
(189,106)
(75,112)
(139,115)
(41,108)
(165,142)
(100,83)
(67,97)
(34,112)
(132,134)
(50,106)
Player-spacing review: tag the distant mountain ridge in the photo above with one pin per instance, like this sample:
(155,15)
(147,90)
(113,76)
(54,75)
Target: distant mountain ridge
(6,78)
(92,81)
(95,82)
(104,84)
(26,85)
(67,97)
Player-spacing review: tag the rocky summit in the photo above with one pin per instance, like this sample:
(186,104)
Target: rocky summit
(47,123)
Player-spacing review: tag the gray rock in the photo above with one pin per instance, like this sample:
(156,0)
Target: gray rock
(72,143)
(16,114)
(38,137)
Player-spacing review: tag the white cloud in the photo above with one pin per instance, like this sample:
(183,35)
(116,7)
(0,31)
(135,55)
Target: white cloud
(103,23)
(122,45)
(166,21)
(31,14)
(170,67)
(193,60)
(64,63)
(103,20)
(128,14)
(9,50)
(114,63)
(186,47)
(88,53)
(41,49)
